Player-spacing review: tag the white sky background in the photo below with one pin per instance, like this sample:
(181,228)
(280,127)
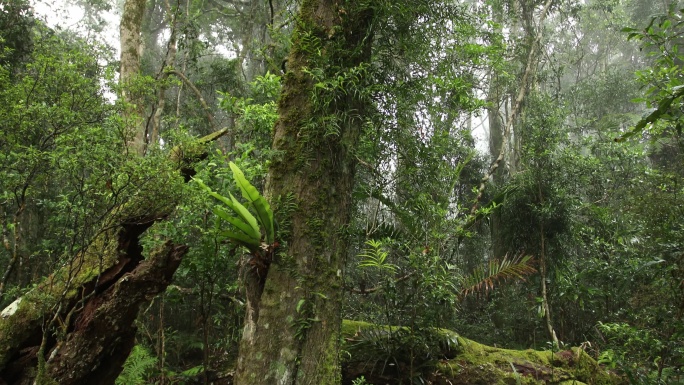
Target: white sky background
(63,14)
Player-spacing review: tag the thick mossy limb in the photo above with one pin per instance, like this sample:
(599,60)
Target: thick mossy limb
(104,332)
(113,253)
(384,353)
(26,316)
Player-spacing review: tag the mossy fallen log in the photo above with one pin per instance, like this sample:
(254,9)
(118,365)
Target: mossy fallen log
(393,355)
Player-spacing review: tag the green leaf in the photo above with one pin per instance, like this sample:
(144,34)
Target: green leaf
(249,192)
(238,223)
(374,256)
(300,304)
(484,277)
(663,108)
(265,215)
(219,197)
(245,215)
(241,239)
(261,206)
(193,371)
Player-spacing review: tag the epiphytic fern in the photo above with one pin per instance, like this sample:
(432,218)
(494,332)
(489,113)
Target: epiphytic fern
(375,256)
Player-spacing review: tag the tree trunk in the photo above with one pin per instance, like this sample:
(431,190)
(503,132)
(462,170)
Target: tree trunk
(291,333)
(131,51)
(450,359)
(496,141)
(104,332)
(62,331)
(543,267)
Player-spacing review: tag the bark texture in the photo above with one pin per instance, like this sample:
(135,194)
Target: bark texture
(292,336)
(103,333)
(77,327)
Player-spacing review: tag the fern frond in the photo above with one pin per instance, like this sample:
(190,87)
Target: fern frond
(484,277)
(137,366)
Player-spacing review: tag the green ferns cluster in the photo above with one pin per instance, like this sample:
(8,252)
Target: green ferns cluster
(137,367)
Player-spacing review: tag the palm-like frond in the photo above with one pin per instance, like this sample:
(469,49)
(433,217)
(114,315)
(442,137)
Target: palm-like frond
(484,277)
(375,256)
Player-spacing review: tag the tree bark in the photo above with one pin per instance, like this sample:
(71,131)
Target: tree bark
(292,336)
(104,334)
(543,267)
(523,87)
(63,330)
(496,142)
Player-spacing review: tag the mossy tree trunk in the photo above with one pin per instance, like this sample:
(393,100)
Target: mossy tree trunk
(291,333)
(130,31)
(449,359)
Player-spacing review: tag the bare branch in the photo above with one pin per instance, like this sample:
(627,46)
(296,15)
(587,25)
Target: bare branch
(197,92)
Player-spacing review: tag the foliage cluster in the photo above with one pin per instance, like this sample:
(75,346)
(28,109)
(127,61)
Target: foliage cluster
(59,167)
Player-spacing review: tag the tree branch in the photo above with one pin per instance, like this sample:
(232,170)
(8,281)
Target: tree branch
(378,288)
